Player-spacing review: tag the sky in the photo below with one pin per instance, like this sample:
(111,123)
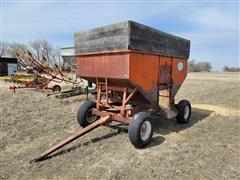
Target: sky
(211,26)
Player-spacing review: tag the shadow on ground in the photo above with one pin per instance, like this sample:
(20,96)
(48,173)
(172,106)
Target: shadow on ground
(163,126)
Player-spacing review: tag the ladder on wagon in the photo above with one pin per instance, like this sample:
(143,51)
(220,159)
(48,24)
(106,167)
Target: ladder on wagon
(102,89)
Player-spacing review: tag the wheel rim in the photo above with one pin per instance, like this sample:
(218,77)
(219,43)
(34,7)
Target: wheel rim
(90,117)
(186,112)
(56,89)
(145,130)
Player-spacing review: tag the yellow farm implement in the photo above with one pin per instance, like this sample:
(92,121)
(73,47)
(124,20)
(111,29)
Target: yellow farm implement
(18,78)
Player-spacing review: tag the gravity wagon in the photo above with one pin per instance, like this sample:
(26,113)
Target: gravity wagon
(137,70)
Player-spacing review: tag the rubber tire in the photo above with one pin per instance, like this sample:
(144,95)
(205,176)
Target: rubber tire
(180,107)
(56,88)
(82,112)
(134,129)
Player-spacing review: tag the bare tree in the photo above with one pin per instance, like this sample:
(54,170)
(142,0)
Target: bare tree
(46,49)
(194,66)
(205,66)
(4,46)
(19,47)
(36,49)
(7,49)
(43,51)
(231,69)
(43,48)
(56,55)
(226,69)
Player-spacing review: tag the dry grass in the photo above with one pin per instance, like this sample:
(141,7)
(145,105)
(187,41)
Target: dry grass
(206,148)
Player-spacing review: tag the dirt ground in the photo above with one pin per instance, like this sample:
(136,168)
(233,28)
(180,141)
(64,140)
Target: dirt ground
(206,148)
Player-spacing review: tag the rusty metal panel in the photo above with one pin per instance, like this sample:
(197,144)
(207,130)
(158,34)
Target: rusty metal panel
(165,74)
(134,69)
(179,70)
(144,70)
(165,68)
(107,65)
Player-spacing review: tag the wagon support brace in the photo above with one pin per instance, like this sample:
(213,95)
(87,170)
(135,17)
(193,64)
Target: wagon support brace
(74,136)
(130,96)
(125,98)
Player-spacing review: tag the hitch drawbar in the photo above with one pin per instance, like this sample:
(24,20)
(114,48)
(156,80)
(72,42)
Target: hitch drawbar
(77,134)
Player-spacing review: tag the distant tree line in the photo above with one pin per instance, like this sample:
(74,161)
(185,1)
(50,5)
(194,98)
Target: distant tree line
(231,69)
(194,66)
(39,48)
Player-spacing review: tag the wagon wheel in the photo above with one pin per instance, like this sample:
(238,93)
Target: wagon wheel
(184,111)
(85,115)
(140,130)
(56,88)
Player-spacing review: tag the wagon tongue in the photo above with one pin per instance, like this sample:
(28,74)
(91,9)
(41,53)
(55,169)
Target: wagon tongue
(80,132)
